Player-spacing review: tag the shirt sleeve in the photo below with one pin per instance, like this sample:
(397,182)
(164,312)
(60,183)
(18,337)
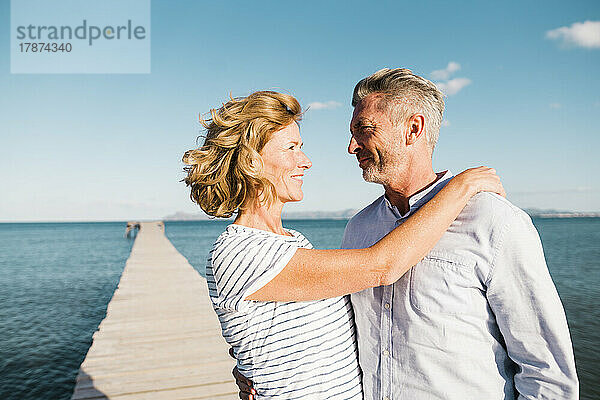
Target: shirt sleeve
(530,315)
(349,237)
(243,264)
(346,239)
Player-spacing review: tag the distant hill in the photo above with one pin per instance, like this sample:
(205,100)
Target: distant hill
(343,214)
(538,213)
(200,216)
(347,214)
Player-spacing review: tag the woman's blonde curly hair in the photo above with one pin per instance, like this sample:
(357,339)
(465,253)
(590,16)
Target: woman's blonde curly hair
(226,172)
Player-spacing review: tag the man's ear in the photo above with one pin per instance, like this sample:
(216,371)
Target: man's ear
(416,126)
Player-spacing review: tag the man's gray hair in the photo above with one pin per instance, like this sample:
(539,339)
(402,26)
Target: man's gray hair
(403,95)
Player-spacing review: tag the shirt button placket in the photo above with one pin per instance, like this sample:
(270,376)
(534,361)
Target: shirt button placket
(386,342)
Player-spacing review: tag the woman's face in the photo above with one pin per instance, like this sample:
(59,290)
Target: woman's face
(285,163)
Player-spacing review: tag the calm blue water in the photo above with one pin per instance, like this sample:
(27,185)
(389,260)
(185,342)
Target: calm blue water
(55,283)
(56,280)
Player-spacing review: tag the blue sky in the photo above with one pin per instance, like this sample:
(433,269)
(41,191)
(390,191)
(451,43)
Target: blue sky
(108,146)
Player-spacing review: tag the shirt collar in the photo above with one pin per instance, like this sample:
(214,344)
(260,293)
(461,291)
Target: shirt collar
(418,199)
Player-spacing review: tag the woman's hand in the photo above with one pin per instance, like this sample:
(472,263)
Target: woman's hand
(479,179)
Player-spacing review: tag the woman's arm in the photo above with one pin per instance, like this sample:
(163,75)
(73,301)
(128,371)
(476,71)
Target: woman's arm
(319,274)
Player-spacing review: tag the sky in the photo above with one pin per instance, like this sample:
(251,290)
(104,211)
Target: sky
(520,78)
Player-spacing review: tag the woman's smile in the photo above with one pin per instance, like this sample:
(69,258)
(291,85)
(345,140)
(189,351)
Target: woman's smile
(299,177)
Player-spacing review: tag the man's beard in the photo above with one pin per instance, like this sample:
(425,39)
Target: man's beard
(375,172)
(388,166)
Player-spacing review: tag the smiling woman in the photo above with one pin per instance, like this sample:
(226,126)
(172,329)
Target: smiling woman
(281,303)
(226,171)
(285,163)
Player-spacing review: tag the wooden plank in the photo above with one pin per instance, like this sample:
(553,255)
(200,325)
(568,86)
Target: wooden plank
(160,338)
(210,391)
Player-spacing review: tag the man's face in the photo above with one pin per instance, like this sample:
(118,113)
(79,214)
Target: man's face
(376,142)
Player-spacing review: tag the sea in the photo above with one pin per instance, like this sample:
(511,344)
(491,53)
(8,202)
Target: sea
(56,280)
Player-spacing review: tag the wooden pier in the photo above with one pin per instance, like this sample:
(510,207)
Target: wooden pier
(161,338)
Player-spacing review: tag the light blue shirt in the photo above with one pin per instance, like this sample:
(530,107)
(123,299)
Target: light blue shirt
(478,318)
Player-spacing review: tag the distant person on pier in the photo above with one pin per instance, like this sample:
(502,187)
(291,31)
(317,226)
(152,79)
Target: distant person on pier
(283,306)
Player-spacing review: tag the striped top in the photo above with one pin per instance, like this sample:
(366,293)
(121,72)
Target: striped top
(290,350)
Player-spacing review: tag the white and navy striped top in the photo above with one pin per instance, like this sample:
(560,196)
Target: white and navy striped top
(290,350)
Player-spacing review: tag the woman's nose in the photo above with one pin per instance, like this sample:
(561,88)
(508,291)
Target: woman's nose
(305,161)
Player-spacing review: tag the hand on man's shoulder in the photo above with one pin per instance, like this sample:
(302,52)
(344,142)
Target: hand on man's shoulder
(492,211)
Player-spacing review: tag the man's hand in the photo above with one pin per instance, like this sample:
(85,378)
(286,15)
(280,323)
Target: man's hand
(247,392)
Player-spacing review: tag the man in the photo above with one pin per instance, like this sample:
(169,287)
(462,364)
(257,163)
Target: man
(479,317)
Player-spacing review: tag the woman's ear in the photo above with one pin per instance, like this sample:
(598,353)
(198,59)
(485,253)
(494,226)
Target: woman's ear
(255,161)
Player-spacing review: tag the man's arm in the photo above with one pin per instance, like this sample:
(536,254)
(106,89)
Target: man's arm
(530,314)
(245,385)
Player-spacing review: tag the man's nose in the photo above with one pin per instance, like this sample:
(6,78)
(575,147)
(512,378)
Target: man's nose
(353,147)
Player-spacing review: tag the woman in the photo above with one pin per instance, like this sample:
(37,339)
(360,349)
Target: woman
(281,303)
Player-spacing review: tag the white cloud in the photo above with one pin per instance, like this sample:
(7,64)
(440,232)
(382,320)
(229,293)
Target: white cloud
(447,85)
(445,122)
(319,105)
(453,86)
(583,34)
(443,74)
(555,106)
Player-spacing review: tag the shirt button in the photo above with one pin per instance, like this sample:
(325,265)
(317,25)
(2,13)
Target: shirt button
(386,306)
(386,353)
